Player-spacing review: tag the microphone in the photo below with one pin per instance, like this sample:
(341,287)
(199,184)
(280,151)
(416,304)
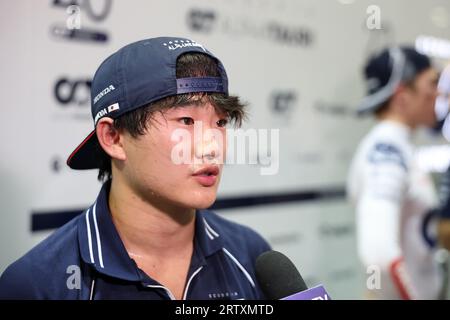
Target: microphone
(279,279)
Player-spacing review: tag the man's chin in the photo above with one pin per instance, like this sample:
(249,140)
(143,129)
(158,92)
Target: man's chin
(204,202)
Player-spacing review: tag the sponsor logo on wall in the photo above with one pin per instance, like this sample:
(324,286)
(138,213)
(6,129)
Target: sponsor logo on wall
(80,22)
(209,21)
(333,109)
(75,92)
(329,230)
(80,19)
(283,102)
(72,95)
(57,163)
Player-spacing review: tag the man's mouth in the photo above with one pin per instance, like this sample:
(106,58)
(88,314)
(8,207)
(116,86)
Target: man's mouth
(207,171)
(207,176)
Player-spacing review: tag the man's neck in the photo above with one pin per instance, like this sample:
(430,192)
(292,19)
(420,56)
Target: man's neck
(397,117)
(147,229)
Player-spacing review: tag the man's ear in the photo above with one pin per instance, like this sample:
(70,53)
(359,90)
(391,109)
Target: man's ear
(110,139)
(400,97)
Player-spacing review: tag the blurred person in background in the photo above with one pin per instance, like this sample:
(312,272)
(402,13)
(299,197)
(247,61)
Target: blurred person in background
(442,111)
(443,212)
(391,195)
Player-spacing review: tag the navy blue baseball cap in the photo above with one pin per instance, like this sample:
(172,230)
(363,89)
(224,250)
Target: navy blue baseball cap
(136,75)
(386,70)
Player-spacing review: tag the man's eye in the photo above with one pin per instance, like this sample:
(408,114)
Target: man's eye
(222,123)
(187,121)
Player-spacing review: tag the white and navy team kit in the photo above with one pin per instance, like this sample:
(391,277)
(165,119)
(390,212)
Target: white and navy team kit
(444,195)
(393,199)
(86,259)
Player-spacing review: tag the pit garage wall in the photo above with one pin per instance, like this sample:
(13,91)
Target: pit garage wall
(298,65)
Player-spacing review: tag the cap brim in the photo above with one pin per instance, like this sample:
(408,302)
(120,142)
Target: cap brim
(85,156)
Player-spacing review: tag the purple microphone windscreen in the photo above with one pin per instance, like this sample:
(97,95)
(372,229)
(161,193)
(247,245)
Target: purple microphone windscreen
(277,275)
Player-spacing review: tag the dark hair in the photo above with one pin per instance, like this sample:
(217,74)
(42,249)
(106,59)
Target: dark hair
(188,65)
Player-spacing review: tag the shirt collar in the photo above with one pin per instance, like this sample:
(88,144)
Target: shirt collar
(207,235)
(396,128)
(101,246)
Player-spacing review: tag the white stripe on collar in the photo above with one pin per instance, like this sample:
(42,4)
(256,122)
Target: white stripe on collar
(189,282)
(247,275)
(88,226)
(99,243)
(209,234)
(91,294)
(210,230)
(171,296)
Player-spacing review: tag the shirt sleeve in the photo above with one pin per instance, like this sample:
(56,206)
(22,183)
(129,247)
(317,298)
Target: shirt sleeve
(379,213)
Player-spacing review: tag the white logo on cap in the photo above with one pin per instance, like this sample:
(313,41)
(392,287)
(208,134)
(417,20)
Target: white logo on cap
(179,44)
(105,111)
(103,93)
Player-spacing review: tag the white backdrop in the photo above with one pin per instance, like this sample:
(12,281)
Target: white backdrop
(296,62)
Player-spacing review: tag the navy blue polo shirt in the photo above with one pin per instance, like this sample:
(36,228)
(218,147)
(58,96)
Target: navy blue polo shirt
(86,259)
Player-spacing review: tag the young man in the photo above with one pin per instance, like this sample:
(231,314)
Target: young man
(392,196)
(147,235)
(442,105)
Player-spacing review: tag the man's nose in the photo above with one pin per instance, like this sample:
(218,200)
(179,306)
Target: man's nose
(211,150)
(207,147)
